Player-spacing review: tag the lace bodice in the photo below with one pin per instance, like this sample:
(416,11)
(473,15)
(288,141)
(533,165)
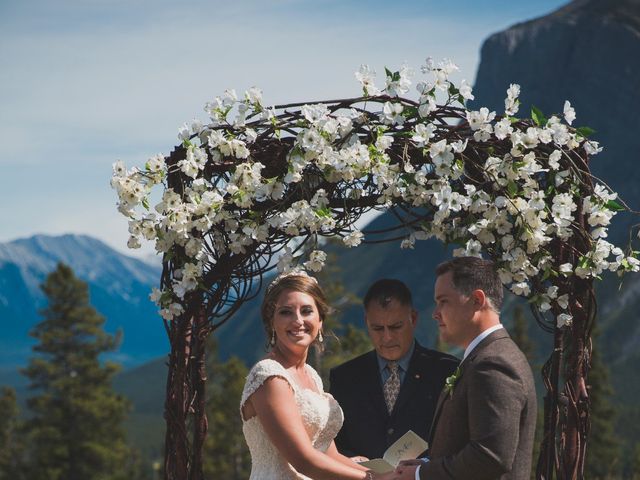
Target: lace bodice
(321,415)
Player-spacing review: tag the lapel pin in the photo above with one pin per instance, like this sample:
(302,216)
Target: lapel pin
(417,375)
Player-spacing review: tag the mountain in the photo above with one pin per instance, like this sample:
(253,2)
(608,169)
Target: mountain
(119,288)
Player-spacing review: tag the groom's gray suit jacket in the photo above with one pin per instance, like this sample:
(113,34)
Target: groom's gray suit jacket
(485,428)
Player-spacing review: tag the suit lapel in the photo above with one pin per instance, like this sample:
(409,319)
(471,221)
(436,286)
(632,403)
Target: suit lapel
(444,395)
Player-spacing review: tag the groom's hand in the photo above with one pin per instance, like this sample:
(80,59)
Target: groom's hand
(405,472)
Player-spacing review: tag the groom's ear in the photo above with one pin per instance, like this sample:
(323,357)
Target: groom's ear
(479,299)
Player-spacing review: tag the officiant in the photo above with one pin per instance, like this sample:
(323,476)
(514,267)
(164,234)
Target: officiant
(393,388)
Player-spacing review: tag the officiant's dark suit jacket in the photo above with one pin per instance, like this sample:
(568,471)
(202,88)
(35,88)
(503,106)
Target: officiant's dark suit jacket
(368,428)
(484,429)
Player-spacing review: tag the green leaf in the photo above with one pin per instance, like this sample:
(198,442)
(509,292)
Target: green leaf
(410,112)
(615,206)
(537,116)
(585,132)
(512,188)
(145,203)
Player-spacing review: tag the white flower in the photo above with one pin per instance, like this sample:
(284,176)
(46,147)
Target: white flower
(392,113)
(427,105)
(155,295)
(184,132)
(554,159)
(478,118)
(423,133)
(229,98)
(133,242)
(569,112)
(563,301)
(315,113)
(172,311)
(353,239)
(592,147)
(503,129)
(521,288)
(401,85)
(367,78)
(383,142)
(564,319)
(119,169)
(316,261)
(566,269)
(285,261)
(466,90)
(253,95)
(511,104)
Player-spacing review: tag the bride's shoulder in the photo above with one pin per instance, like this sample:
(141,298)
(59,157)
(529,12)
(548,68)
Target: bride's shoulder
(266,368)
(260,372)
(267,365)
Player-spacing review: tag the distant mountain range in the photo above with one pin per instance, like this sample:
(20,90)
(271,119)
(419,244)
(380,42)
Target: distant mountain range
(119,287)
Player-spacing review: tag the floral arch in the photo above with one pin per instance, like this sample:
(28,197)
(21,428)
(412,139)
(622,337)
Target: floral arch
(256,187)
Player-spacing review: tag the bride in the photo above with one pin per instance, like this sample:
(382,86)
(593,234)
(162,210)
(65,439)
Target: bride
(289,422)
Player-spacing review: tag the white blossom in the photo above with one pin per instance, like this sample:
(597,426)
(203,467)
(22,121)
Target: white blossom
(569,112)
(564,320)
(316,261)
(353,239)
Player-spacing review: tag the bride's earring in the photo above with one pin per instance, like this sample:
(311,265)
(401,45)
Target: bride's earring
(273,338)
(320,338)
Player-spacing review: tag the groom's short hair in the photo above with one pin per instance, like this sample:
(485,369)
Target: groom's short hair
(473,273)
(385,290)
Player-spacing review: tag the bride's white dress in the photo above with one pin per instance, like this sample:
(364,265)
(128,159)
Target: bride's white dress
(321,415)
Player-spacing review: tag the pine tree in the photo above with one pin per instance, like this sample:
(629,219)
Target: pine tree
(75,431)
(603,450)
(225,452)
(11,446)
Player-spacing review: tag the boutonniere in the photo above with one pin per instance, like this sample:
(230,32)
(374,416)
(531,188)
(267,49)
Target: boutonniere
(451,380)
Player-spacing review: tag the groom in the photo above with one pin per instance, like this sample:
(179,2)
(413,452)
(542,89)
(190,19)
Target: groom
(484,423)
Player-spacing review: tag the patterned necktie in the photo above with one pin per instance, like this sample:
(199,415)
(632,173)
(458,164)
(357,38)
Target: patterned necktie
(391,387)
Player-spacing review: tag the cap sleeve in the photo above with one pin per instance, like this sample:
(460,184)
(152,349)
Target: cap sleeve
(260,372)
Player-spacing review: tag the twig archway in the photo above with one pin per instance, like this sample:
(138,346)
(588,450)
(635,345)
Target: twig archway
(243,195)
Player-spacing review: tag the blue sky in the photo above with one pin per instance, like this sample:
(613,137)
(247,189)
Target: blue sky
(85,83)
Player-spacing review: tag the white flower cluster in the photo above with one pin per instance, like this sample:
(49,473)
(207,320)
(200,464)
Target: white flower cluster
(525,191)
